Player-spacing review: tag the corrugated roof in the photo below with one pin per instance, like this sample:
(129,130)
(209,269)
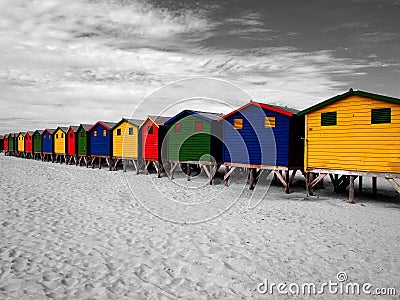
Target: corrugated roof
(347,94)
(279,109)
(85,126)
(74,128)
(136,122)
(159,120)
(208,116)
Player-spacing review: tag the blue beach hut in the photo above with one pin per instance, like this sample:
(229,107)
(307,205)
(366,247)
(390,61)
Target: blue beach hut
(48,145)
(100,142)
(261,136)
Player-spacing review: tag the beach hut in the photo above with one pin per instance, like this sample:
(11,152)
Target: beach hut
(12,143)
(125,144)
(82,144)
(152,134)
(194,142)
(21,143)
(260,136)
(71,144)
(28,144)
(37,144)
(352,135)
(60,143)
(100,143)
(5,144)
(48,145)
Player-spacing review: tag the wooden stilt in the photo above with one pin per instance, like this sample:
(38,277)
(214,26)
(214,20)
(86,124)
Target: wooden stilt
(146,168)
(393,183)
(360,184)
(226,176)
(308,186)
(281,179)
(188,171)
(124,162)
(351,190)
(252,178)
(173,167)
(374,186)
(100,161)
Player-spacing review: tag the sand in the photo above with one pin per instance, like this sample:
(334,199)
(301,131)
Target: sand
(69,232)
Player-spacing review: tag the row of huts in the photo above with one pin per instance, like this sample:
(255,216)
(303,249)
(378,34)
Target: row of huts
(347,137)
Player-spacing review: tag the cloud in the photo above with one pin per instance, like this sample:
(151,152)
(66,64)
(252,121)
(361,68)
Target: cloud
(71,62)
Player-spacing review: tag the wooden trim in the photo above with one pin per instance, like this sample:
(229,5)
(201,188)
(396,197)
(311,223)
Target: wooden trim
(356,173)
(265,167)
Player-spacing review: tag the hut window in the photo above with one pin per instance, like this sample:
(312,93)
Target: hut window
(238,123)
(119,131)
(380,115)
(329,118)
(57,136)
(269,122)
(199,126)
(95,133)
(104,132)
(82,134)
(150,129)
(178,127)
(44,137)
(62,135)
(71,135)
(131,131)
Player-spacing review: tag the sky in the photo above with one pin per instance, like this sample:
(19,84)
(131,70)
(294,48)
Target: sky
(79,61)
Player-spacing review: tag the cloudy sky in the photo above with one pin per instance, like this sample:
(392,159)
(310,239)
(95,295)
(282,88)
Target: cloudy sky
(78,61)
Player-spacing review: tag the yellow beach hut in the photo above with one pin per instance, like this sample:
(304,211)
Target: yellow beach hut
(60,144)
(352,135)
(21,143)
(126,145)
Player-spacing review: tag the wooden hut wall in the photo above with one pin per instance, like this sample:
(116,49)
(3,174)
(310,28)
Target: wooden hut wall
(59,137)
(28,142)
(37,142)
(21,142)
(356,131)
(125,140)
(82,141)
(5,143)
(100,140)
(47,142)
(189,138)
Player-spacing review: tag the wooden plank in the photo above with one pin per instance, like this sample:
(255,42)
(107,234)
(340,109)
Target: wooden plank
(374,185)
(230,171)
(353,172)
(351,189)
(281,179)
(318,179)
(251,166)
(206,170)
(393,183)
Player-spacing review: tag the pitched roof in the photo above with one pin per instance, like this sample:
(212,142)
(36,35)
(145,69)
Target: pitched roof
(351,92)
(108,125)
(49,130)
(74,128)
(207,116)
(38,131)
(158,120)
(65,129)
(136,122)
(279,109)
(86,127)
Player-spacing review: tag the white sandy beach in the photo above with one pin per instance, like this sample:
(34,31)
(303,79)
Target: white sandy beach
(68,232)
